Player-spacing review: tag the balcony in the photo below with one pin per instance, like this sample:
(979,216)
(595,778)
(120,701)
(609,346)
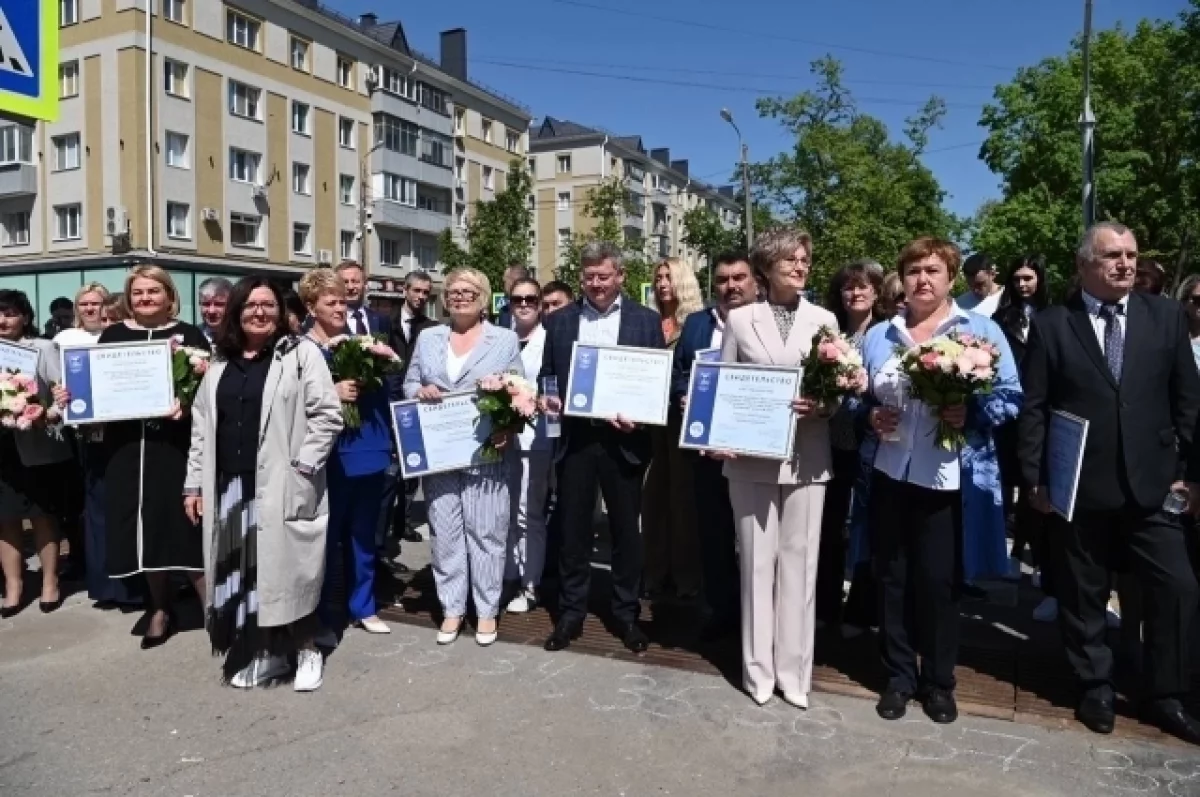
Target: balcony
(409,217)
(18,179)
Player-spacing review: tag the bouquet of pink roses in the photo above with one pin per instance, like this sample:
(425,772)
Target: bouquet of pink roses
(20,405)
(364,360)
(509,402)
(946,372)
(832,369)
(189,364)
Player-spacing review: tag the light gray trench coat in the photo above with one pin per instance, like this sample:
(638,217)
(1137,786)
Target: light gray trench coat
(301,419)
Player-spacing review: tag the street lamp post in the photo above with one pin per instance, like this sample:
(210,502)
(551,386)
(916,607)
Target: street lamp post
(728,117)
(1087,123)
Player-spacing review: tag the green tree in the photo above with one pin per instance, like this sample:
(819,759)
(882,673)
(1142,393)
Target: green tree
(497,232)
(607,206)
(845,181)
(1143,92)
(704,231)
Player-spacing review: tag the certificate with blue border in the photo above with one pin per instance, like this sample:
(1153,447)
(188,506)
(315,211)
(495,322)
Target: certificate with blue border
(607,381)
(19,358)
(118,381)
(1066,439)
(712,355)
(742,408)
(438,436)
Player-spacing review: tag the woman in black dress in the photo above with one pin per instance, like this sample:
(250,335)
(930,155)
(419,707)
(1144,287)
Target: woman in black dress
(148,531)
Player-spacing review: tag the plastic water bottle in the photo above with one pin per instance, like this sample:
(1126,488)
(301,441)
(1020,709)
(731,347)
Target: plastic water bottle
(553,423)
(1176,502)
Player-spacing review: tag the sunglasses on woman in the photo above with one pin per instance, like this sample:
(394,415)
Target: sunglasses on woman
(526,299)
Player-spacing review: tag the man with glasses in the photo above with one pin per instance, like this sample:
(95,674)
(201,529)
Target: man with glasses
(610,454)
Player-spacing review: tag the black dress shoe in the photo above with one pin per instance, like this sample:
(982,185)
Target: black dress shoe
(9,611)
(940,707)
(893,705)
(560,638)
(151,642)
(635,639)
(1171,717)
(411,535)
(1096,714)
(49,606)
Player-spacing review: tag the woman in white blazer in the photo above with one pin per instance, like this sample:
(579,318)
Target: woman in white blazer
(777,506)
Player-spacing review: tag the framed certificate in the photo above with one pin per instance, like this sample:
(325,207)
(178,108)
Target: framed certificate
(712,355)
(743,408)
(438,436)
(19,358)
(607,381)
(118,381)
(1066,438)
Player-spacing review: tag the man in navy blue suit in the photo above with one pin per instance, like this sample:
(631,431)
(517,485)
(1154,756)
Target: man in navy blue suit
(733,284)
(612,454)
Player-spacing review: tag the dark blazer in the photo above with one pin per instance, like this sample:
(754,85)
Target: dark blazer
(640,327)
(504,318)
(696,336)
(1140,431)
(1010,323)
(404,346)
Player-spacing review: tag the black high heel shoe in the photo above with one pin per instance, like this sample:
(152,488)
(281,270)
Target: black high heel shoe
(9,611)
(151,642)
(50,606)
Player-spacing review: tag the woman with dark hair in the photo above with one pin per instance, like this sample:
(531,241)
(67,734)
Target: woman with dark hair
(35,466)
(263,423)
(1025,293)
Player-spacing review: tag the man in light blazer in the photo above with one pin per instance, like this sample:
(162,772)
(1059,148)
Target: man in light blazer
(612,454)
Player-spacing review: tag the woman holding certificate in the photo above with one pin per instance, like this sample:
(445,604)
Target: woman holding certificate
(265,419)
(35,464)
(935,508)
(146,527)
(777,505)
(468,509)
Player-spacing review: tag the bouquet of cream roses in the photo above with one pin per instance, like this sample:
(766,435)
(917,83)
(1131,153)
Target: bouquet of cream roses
(509,402)
(20,405)
(189,364)
(832,369)
(947,371)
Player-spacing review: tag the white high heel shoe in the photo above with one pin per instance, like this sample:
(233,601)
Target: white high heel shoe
(486,638)
(373,625)
(797,699)
(449,637)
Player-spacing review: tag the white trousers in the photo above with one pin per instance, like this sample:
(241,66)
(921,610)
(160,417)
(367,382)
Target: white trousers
(527,532)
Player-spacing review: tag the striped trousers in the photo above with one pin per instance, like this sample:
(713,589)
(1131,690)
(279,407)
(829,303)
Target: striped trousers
(468,522)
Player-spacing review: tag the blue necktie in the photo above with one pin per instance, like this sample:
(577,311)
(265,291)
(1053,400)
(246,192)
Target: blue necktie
(1114,341)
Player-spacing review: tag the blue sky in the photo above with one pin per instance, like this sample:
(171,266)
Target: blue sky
(958,49)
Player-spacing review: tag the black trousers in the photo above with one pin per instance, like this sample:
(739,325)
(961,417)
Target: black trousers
(593,457)
(1155,548)
(917,548)
(831,561)
(718,539)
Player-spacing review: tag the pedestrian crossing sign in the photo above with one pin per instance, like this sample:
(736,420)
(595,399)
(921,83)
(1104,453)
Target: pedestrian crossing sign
(29,58)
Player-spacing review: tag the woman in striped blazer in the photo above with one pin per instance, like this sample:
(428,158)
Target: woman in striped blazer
(468,509)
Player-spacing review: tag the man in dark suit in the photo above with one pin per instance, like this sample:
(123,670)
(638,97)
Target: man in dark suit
(733,283)
(360,319)
(1123,361)
(613,454)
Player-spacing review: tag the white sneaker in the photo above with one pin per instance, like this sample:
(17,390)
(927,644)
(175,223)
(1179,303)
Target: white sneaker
(326,639)
(373,625)
(1046,611)
(525,601)
(310,668)
(259,671)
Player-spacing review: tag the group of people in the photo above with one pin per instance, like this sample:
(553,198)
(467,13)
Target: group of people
(257,493)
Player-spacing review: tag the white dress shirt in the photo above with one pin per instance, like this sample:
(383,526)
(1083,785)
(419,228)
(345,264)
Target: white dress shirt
(406,317)
(455,363)
(356,320)
(718,333)
(597,328)
(1093,306)
(915,457)
(986,306)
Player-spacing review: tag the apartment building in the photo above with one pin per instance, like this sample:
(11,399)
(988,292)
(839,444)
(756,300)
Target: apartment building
(262,136)
(567,160)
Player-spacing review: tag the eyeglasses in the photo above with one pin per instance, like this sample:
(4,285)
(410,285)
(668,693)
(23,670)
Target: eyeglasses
(266,307)
(529,300)
(462,296)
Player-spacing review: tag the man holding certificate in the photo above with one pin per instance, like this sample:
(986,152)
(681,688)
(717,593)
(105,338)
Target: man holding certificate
(1121,361)
(611,453)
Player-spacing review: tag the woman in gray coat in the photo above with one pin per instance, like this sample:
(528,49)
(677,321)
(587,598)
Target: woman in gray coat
(263,423)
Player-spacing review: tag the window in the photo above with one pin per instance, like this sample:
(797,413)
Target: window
(244,100)
(564,164)
(564,200)
(399,189)
(178,221)
(430,203)
(346,132)
(66,152)
(512,141)
(460,121)
(299,54)
(346,189)
(245,230)
(345,72)
(460,168)
(533,167)
(16,229)
(396,134)
(173,10)
(68,80)
(426,257)
(68,222)
(16,144)
(389,251)
(300,178)
(489,178)
(433,99)
(487,130)
(301,240)
(346,245)
(460,216)
(564,237)
(242,30)
(68,12)
(177,150)
(300,118)
(243,165)
(399,83)
(435,149)
(175,78)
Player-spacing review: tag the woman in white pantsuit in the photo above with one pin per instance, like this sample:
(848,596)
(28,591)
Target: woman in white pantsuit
(777,506)
(468,509)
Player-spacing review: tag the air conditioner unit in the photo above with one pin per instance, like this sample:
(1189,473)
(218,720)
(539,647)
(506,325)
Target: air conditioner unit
(116,221)
(325,256)
(210,214)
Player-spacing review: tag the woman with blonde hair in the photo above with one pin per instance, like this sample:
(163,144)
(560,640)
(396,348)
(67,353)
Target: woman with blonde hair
(668,516)
(147,531)
(469,509)
(89,323)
